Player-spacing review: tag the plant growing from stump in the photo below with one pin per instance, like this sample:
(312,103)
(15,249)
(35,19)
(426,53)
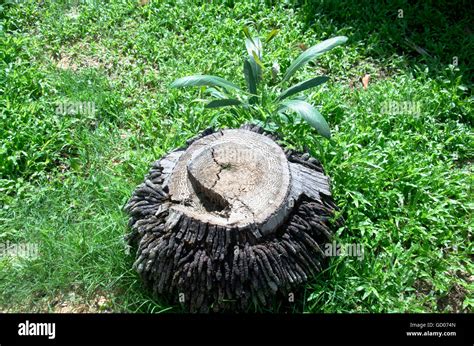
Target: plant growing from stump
(234,219)
(266,106)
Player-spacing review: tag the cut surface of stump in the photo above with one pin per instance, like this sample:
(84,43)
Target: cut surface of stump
(232,178)
(230,220)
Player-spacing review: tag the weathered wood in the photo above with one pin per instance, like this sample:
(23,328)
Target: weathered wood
(231,219)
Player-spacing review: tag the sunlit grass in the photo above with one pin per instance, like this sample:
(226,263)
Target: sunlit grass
(400,159)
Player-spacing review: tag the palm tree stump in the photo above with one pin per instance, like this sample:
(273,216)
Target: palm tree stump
(232,219)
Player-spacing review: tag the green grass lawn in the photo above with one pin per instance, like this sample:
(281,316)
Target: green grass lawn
(400,159)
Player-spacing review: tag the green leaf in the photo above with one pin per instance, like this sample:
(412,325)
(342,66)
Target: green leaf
(254,49)
(250,73)
(308,113)
(256,69)
(366,294)
(271,35)
(223,103)
(257,60)
(203,80)
(254,45)
(216,93)
(312,53)
(310,83)
(283,117)
(246,32)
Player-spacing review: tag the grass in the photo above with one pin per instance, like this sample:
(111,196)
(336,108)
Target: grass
(400,160)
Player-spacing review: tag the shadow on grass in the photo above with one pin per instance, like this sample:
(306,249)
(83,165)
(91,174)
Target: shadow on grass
(428,34)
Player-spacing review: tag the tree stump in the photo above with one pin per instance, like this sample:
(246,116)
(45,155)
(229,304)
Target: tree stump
(231,219)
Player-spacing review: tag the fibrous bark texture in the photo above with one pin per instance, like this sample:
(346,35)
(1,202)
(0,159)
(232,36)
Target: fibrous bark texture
(231,219)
